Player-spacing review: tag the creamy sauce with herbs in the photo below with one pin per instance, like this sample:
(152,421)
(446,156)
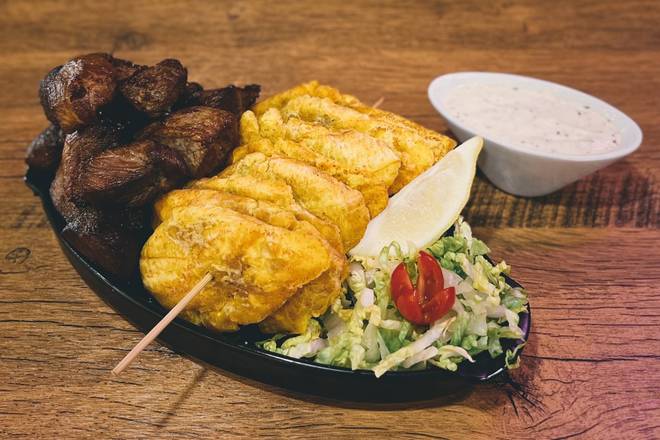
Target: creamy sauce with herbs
(532,119)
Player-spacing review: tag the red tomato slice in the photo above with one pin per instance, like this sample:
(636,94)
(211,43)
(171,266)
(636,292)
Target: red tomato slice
(439,305)
(430,278)
(427,302)
(400,283)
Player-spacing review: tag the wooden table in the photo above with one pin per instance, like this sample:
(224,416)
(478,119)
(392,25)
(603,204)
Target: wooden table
(589,254)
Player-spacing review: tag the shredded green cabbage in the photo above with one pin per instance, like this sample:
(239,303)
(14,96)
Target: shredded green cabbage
(364,330)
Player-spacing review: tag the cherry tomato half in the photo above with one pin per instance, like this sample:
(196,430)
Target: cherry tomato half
(429,300)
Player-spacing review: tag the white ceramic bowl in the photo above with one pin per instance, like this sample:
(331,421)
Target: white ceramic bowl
(533,173)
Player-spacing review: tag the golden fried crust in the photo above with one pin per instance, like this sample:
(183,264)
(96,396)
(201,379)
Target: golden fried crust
(239,153)
(312,299)
(318,192)
(419,148)
(360,161)
(416,154)
(249,128)
(264,211)
(276,192)
(311,88)
(279,100)
(256,267)
(408,132)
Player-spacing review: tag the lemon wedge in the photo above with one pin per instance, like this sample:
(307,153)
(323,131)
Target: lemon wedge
(425,208)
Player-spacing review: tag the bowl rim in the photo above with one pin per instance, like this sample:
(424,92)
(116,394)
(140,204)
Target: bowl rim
(440,85)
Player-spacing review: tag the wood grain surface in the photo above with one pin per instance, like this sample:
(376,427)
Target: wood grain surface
(589,254)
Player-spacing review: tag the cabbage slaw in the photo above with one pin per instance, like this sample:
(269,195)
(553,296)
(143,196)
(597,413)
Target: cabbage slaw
(364,330)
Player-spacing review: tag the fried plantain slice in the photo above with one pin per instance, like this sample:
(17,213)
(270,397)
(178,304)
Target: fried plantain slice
(256,266)
(312,299)
(360,161)
(316,191)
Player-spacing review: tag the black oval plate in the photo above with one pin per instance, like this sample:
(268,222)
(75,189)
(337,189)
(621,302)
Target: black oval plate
(237,353)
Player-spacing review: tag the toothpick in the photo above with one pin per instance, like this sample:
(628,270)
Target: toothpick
(378,102)
(153,334)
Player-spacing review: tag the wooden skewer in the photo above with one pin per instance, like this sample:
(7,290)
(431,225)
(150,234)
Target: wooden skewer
(149,337)
(378,102)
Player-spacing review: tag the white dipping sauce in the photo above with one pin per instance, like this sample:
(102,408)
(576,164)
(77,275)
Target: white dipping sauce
(532,119)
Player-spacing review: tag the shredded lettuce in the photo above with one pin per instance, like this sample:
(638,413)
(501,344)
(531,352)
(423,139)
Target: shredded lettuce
(511,358)
(364,330)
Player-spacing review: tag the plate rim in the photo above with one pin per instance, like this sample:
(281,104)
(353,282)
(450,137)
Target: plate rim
(37,181)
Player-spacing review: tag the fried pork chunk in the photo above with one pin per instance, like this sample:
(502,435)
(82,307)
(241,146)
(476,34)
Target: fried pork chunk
(419,148)
(102,184)
(362,162)
(109,238)
(204,137)
(45,150)
(154,90)
(124,69)
(100,188)
(79,148)
(72,94)
(232,98)
(132,175)
(77,93)
(97,169)
(256,266)
(111,241)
